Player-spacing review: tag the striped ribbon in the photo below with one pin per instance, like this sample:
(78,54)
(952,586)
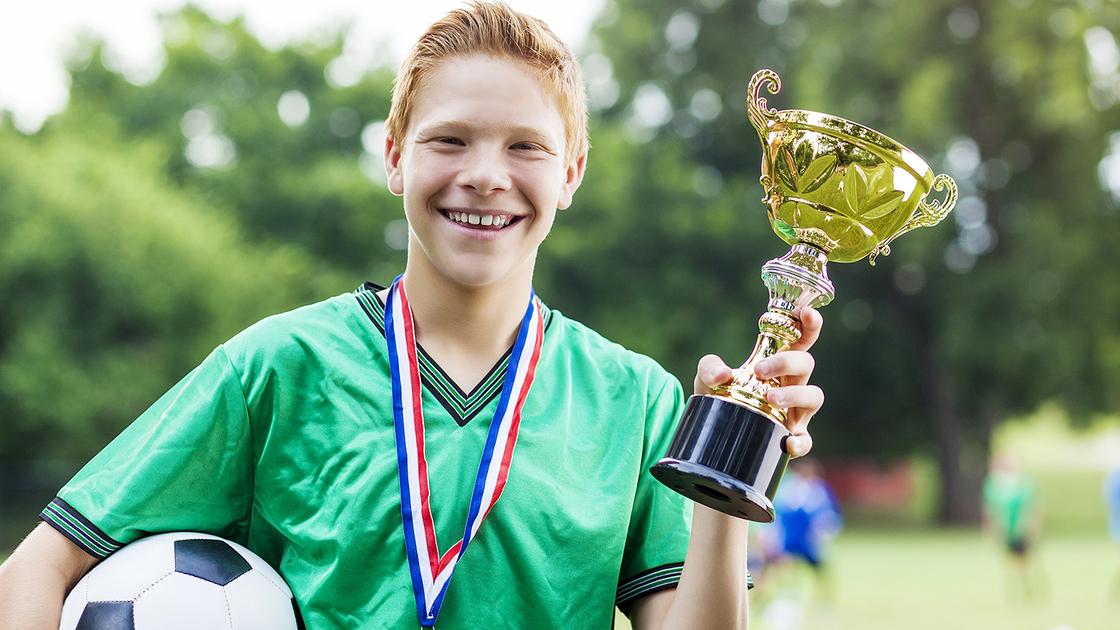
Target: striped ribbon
(431,572)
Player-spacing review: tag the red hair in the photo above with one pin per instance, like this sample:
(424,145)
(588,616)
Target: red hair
(492,28)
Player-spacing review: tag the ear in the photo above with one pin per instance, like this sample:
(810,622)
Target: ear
(393,167)
(573,177)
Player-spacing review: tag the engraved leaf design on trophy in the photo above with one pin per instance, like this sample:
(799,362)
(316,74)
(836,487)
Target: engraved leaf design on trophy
(871,196)
(801,172)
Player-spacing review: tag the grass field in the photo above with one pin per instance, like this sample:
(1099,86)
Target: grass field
(943,579)
(896,572)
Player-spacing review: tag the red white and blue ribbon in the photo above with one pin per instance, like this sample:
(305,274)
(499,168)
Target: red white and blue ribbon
(431,572)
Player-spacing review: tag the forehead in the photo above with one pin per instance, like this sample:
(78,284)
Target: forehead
(485,91)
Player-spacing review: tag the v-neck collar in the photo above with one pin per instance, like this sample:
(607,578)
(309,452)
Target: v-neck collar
(461,406)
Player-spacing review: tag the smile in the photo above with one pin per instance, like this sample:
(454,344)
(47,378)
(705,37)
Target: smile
(492,221)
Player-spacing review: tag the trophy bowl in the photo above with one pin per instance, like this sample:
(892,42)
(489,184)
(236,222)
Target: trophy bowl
(835,191)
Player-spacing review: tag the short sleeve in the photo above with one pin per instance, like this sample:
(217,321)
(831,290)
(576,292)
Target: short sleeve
(657,538)
(183,465)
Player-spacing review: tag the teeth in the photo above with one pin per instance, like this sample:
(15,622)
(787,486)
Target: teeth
(489,220)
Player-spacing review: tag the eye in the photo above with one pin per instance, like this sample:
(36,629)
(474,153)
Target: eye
(450,140)
(525,146)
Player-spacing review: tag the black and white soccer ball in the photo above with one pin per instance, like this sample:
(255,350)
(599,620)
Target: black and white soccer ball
(181,581)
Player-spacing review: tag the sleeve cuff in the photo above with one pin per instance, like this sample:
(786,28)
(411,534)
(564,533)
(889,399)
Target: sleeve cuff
(70,523)
(648,582)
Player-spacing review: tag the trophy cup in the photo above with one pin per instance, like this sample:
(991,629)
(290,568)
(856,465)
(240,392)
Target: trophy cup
(835,191)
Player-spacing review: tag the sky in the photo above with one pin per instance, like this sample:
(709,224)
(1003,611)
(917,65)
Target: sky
(36,36)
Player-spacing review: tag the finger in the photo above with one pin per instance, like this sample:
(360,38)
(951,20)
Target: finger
(711,372)
(800,401)
(792,367)
(811,323)
(799,444)
(804,402)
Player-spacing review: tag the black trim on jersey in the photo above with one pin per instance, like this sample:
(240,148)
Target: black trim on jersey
(70,523)
(646,583)
(488,381)
(461,406)
(652,581)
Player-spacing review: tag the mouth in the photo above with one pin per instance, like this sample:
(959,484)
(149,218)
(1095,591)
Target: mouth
(481,221)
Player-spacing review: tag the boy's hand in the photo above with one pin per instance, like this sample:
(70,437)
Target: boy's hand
(792,368)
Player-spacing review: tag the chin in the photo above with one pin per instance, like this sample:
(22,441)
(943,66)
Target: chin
(478,276)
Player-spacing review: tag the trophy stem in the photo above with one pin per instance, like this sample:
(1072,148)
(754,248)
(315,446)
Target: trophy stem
(779,330)
(729,450)
(796,279)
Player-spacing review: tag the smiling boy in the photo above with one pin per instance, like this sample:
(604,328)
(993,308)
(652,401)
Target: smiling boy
(351,443)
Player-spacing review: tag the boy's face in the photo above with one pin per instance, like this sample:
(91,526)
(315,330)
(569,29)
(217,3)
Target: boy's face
(482,170)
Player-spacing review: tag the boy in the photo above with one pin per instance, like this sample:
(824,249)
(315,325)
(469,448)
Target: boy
(312,436)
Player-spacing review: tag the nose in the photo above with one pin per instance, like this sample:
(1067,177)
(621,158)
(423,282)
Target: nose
(485,170)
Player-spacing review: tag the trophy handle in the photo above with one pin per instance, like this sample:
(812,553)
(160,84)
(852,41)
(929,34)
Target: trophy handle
(929,213)
(760,116)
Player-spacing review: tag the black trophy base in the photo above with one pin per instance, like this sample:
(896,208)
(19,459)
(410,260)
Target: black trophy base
(726,456)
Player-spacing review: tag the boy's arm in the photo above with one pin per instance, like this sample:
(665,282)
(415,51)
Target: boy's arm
(35,580)
(712,592)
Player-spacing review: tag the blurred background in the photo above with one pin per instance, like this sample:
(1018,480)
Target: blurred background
(170,174)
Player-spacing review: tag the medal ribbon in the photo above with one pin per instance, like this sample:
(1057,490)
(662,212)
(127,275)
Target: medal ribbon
(432,572)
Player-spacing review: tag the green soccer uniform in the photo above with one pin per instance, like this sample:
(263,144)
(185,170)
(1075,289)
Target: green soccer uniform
(283,440)
(1009,499)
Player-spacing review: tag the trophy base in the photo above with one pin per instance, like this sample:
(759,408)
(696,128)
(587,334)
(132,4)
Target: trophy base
(726,456)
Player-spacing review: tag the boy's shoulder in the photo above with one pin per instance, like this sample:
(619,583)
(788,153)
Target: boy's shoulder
(585,347)
(324,323)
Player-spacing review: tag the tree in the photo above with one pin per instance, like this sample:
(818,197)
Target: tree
(113,285)
(278,138)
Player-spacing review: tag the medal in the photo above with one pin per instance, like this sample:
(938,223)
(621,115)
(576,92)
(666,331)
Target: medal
(431,572)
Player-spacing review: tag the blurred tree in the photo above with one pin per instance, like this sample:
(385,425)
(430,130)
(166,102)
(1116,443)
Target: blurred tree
(962,324)
(281,138)
(113,285)
(636,258)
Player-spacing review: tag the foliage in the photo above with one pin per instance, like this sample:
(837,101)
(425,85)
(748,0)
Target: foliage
(635,256)
(113,284)
(216,109)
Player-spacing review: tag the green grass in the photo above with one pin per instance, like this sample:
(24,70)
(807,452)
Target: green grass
(894,571)
(948,579)
(960,580)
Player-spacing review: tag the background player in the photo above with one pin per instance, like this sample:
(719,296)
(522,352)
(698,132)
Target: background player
(1012,511)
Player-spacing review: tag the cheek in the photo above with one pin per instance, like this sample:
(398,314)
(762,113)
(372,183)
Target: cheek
(544,185)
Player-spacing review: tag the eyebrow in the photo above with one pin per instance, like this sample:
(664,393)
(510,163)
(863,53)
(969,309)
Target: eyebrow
(452,127)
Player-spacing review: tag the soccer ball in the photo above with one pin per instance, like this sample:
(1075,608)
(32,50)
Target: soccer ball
(181,581)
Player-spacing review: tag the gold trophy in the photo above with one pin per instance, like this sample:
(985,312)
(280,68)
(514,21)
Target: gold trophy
(836,191)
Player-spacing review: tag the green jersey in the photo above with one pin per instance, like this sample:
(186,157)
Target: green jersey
(1010,499)
(283,440)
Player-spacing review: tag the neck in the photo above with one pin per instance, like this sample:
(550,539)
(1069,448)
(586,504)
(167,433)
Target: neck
(465,329)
